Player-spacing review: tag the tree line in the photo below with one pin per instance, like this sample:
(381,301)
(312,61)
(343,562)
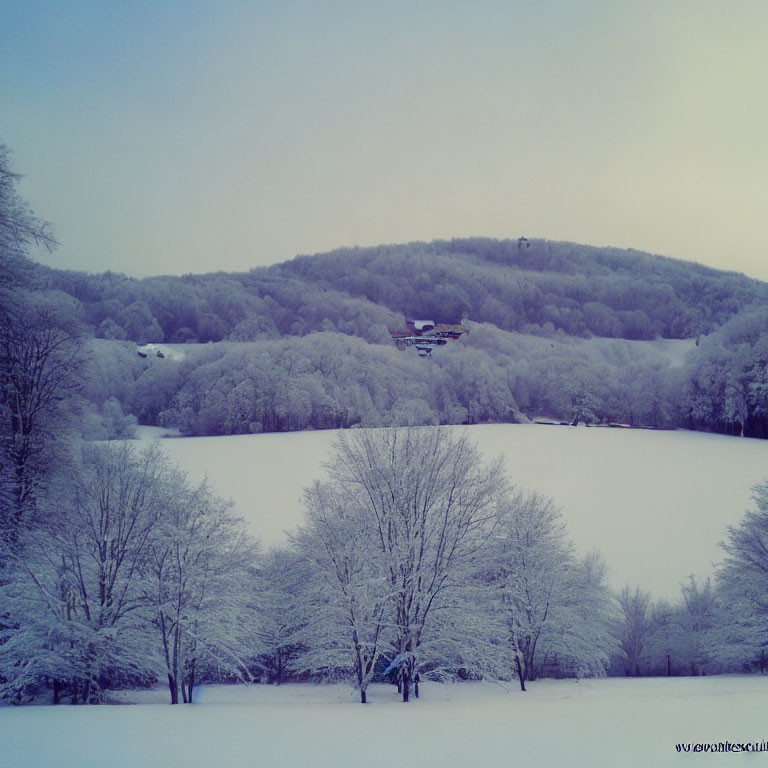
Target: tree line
(330,380)
(416,561)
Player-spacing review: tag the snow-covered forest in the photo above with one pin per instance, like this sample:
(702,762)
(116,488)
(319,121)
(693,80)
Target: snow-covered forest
(549,329)
(554,329)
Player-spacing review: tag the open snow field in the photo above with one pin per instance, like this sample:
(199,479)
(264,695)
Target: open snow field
(587,723)
(655,504)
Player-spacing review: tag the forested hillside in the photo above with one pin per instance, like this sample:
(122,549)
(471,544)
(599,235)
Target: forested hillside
(529,285)
(200,308)
(555,329)
(531,309)
(533,286)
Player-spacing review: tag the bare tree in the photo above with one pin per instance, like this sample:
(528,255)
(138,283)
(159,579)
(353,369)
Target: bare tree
(19,230)
(41,358)
(40,337)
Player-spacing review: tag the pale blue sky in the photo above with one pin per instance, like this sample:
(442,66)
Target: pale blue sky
(196,136)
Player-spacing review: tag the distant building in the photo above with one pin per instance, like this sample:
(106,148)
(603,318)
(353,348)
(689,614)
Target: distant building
(446,331)
(159,350)
(425,334)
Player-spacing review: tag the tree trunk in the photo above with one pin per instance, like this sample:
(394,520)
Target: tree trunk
(520,676)
(406,687)
(191,681)
(174,688)
(363,699)
(56,691)
(669,666)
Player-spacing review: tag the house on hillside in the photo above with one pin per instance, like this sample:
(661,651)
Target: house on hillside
(445,331)
(425,334)
(414,328)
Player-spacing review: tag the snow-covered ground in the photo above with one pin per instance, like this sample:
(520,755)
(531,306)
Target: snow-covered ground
(656,504)
(569,723)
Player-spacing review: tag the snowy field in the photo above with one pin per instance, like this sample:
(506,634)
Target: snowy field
(656,504)
(569,723)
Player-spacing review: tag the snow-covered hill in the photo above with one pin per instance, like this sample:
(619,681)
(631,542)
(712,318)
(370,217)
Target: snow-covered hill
(656,504)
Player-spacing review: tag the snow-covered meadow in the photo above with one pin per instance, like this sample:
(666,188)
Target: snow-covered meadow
(655,503)
(590,723)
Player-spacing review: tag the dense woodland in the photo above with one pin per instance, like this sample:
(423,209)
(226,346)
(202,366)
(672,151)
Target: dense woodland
(533,286)
(331,380)
(416,560)
(306,344)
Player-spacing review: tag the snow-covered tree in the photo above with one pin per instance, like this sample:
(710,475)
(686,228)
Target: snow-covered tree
(277,589)
(698,617)
(197,561)
(635,627)
(347,609)
(664,648)
(77,590)
(465,636)
(556,608)
(40,366)
(431,504)
(131,572)
(40,358)
(742,582)
(530,557)
(580,638)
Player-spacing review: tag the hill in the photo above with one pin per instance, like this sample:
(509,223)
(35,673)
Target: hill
(534,286)
(555,329)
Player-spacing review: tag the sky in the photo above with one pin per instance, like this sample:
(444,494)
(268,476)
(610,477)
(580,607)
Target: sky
(167,137)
